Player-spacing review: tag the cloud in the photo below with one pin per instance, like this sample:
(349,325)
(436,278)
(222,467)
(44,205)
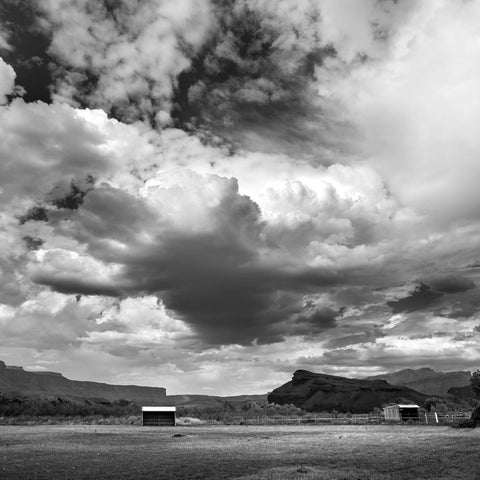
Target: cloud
(422,297)
(414,110)
(359,30)
(400,352)
(252,81)
(44,144)
(4,45)
(124,57)
(451,284)
(26,50)
(237,268)
(52,155)
(354,339)
(314,322)
(7,81)
(314,206)
(104,223)
(47,147)
(46,321)
(202,254)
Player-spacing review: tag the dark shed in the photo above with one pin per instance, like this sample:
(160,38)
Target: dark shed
(158,416)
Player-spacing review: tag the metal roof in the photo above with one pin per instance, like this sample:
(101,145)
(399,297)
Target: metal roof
(403,405)
(159,409)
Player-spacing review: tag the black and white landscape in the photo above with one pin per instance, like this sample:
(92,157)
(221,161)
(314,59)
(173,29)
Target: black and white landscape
(252,223)
(209,195)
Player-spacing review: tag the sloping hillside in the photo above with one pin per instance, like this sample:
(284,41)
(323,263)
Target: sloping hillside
(206,401)
(464,393)
(426,380)
(15,379)
(319,392)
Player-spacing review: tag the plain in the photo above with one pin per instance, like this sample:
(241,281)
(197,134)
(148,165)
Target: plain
(330,452)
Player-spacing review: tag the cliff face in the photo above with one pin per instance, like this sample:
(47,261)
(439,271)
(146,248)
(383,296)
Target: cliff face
(426,380)
(317,392)
(55,384)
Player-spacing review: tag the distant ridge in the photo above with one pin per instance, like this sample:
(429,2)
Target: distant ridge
(426,380)
(16,379)
(317,392)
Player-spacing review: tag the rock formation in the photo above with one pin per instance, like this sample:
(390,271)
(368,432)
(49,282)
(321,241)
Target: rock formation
(318,392)
(55,384)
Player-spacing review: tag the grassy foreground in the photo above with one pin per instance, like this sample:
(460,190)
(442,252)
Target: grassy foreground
(330,452)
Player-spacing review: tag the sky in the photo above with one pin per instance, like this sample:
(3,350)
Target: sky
(207,195)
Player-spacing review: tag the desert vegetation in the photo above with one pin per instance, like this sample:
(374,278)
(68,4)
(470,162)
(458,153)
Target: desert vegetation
(16,408)
(474,420)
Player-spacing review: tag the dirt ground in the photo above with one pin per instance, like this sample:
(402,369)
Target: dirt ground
(333,452)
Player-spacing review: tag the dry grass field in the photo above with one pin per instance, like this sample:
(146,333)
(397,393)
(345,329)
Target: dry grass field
(330,452)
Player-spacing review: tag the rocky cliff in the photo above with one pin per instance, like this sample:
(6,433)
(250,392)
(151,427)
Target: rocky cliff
(54,384)
(426,380)
(317,392)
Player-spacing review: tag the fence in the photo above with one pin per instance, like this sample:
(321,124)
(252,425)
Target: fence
(360,419)
(443,419)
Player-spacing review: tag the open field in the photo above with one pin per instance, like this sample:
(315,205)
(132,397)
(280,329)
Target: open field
(331,452)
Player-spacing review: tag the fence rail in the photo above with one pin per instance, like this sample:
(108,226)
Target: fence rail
(361,419)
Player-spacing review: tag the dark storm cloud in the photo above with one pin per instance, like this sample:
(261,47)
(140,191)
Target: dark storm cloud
(358,296)
(422,297)
(215,280)
(75,194)
(222,288)
(37,213)
(217,286)
(450,284)
(253,81)
(314,322)
(28,48)
(65,283)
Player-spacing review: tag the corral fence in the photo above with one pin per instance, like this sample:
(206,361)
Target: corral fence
(443,419)
(360,419)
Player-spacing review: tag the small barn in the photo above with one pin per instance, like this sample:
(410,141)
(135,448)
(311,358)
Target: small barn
(401,412)
(158,416)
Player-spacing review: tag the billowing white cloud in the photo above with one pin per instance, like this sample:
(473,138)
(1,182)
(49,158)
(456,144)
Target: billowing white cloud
(7,80)
(125,56)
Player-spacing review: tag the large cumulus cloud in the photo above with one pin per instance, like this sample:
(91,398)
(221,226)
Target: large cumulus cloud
(195,242)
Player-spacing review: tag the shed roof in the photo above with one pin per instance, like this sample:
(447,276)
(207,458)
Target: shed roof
(403,405)
(159,409)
